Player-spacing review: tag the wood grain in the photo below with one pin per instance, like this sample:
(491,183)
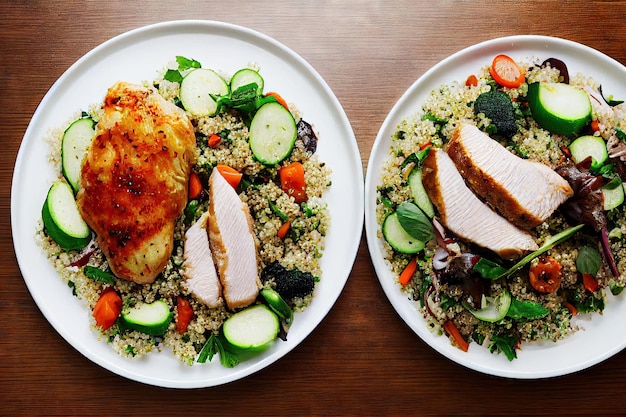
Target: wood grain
(362,359)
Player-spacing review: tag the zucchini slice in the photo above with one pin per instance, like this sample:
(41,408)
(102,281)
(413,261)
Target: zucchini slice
(273,133)
(252,329)
(152,319)
(61,219)
(493,309)
(589,146)
(613,193)
(419,192)
(559,108)
(247,76)
(76,141)
(196,90)
(398,238)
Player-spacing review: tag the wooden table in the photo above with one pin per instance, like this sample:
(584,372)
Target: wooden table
(362,360)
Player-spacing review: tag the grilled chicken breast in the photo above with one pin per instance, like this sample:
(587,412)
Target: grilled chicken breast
(134,177)
(524,192)
(465,215)
(233,243)
(198,267)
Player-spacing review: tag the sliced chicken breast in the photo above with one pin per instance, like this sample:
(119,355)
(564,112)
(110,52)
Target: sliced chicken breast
(233,244)
(198,267)
(465,215)
(524,192)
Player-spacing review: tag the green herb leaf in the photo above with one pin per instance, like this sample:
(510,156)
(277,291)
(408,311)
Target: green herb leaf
(526,310)
(187,63)
(489,269)
(589,260)
(505,344)
(99,275)
(173,76)
(415,222)
(621,135)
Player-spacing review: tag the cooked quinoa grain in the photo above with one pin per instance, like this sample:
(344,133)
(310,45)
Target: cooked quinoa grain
(434,125)
(301,249)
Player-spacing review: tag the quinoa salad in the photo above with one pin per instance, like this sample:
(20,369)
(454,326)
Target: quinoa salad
(501,289)
(288,228)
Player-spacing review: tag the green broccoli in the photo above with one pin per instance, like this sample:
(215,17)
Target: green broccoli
(498,107)
(289,283)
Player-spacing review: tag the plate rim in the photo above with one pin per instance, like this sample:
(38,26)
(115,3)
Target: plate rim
(390,288)
(207,28)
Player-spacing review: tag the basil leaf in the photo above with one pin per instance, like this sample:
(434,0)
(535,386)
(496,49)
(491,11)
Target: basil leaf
(187,63)
(415,222)
(98,274)
(489,269)
(173,76)
(589,260)
(526,310)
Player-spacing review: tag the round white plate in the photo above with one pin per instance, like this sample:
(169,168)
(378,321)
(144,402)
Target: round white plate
(136,56)
(603,335)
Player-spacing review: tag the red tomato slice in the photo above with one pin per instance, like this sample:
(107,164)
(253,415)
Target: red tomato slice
(506,72)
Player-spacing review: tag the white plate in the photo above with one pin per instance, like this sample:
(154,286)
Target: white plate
(603,336)
(136,56)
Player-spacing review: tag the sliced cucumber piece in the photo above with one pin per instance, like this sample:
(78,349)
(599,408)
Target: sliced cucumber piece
(251,329)
(589,146)
(613,193)
(152,319)
(419,192)
(559,108)
(493,309)
(76,141)
(273,133)
(398,238)
(61,219)
(247,76)
(196,89)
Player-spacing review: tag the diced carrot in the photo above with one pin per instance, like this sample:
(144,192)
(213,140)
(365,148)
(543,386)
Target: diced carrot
(472,81)
(278,98)
(184,314)
(107,308)
(408,271)
(571,308)
(292,181)
(451,329)
(195,185)
(590,283)
(214,140)
(284,229)
(426,145)
(230,174)
(595,126)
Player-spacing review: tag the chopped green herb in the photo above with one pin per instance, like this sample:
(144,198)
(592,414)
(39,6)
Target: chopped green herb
(489,269)
(99,275)
(187,63)
(589,260)
(173,76)
(526,310)
(504,343)
(214,346)
(415,222)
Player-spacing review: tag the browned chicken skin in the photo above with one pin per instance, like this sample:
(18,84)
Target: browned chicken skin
(134,180)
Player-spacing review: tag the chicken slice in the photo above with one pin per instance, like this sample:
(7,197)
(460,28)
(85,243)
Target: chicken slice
(233,243)
(134,177)
(198,267)
(524,192)
(465,215)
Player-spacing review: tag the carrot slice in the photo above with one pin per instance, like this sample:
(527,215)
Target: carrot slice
(278,98)
(471,81)
(451,329)
(408,271)
(292,181)
(214,140)
(284,229)
(184,314)
(506,72)
(107,309)
(571,308)
(231,175)
(195,185)
(590,283)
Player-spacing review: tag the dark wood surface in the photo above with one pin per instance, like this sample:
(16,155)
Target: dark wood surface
(362,360)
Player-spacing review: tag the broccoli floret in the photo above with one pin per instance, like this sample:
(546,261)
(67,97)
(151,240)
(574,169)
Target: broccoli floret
(498,107)
(289,283)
